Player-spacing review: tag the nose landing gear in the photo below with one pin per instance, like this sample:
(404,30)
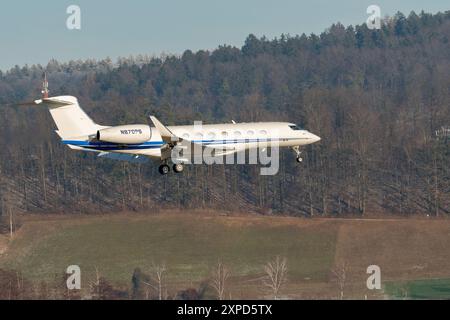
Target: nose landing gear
(297,151)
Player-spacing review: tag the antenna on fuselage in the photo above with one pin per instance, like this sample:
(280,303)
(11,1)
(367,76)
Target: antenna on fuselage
(45,90)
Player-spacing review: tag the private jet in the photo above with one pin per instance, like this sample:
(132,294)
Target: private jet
(141,142)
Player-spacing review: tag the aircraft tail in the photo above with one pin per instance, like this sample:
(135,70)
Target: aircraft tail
(71,120)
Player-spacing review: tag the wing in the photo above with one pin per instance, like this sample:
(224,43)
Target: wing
(167,136)
(180,149)
(123,157)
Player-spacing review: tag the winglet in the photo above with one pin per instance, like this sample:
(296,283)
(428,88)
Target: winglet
(165,133)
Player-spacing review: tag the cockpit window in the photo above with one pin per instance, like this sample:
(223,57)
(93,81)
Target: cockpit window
(295,127)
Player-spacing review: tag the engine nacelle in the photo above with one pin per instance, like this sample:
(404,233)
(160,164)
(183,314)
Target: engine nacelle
(129,134)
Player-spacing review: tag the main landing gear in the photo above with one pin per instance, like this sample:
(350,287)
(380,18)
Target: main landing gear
(178,167)
(165,169)
(297,151)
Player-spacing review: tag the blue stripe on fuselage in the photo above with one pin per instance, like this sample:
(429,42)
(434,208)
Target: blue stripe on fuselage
(108,146)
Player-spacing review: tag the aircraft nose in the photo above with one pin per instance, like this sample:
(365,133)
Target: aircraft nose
(315,138)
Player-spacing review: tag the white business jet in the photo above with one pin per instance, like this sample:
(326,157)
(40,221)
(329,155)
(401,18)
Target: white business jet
(140,142)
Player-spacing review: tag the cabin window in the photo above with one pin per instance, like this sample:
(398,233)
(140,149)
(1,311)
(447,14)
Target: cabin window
(237,134)
(224,134)
(186,136)
(211,135)
(250,133)
(263,132)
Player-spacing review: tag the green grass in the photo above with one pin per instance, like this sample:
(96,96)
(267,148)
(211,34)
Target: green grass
(419,289)
(189,245)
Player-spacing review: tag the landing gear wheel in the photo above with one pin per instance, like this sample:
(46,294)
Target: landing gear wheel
(178,167)
(164,169)
(298,153)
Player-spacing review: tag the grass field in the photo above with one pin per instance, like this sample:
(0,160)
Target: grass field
(419,289)
(191,244)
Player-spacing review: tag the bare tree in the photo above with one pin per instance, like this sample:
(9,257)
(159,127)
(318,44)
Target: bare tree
(219,277)
(276,273)
(340,275)
(159,273)
(101,289)
(95,284)
(11,224)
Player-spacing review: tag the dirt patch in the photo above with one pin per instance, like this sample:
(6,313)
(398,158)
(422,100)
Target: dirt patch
(403,249)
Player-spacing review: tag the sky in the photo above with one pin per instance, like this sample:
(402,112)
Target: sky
(34,32)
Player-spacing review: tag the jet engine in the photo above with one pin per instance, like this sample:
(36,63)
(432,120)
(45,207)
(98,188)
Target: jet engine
(129,134)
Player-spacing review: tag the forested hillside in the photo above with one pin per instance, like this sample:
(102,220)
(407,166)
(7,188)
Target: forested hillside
(376,97)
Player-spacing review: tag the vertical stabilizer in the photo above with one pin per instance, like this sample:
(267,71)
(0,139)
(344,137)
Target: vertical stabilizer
(71,120)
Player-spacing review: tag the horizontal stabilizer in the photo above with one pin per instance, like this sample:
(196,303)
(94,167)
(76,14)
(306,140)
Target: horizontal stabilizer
(54,102)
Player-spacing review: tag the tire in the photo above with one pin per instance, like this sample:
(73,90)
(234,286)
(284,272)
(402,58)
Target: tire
(164,169)
(178,167)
